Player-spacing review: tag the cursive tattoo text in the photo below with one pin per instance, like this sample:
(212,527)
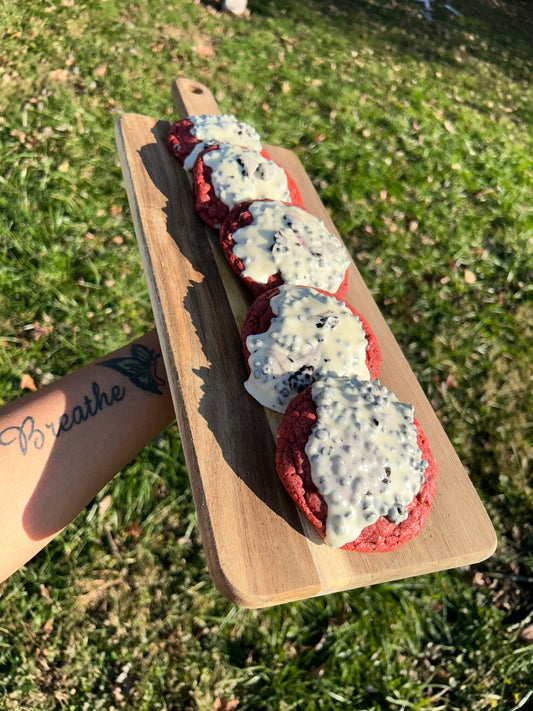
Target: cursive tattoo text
(139,368)
(90,408)
(23,435)
(27,434)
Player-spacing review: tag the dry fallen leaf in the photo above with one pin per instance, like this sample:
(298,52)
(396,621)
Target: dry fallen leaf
(135,531)
(204,50)
(27,383)
(117,694)
(526,634)
(470,277)
(39,331)
(223,705)
(47,626)
(58,75)
(104,504)
(101,70)
(47,379)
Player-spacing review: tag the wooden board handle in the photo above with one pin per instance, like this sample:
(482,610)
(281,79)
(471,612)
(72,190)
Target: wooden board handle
(191,98)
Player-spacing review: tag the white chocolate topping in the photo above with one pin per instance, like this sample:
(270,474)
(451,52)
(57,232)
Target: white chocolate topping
(211,128)
(240,174)
(310,335)
(364,456)
(288,240)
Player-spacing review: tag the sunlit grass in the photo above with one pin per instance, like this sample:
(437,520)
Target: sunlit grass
(418,138)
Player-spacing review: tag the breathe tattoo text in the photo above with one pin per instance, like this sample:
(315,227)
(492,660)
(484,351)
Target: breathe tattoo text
(139,367)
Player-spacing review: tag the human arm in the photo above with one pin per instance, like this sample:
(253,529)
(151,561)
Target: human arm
(60,445)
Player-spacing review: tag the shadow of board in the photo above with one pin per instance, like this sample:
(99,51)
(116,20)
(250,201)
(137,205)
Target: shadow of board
(234,416)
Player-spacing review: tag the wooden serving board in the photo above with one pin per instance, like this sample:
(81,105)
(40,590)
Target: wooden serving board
(260,550)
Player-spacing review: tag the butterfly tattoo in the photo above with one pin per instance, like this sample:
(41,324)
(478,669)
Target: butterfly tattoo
(139,367)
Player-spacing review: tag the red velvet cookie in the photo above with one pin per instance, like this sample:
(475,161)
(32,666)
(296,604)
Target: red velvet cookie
(189,136)
(225,175)
(314,333)
(269,242)
(294,469)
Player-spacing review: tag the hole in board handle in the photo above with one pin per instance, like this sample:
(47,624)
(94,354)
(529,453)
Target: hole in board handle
(194,89)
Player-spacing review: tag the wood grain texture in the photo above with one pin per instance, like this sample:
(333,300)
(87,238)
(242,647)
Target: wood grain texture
(260,550)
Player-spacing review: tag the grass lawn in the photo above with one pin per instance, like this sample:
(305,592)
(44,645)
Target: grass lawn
(418,137)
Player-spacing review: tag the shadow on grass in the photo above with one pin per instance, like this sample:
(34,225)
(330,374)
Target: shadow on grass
(494,31)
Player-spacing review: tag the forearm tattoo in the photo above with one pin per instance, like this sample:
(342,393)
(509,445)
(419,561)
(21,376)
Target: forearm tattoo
(140,367)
